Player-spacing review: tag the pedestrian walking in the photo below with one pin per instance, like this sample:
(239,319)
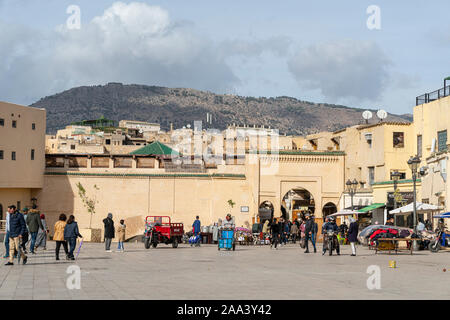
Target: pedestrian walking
(17,228)
(275,229)
(25,236)
(294,232)
(353,235)
(109,231)
(286,232)
(314,232)
(34,224)
(41,240)
(196,226)
(7,235)
(309,224)
(59,236)
(71,233)
(121,235)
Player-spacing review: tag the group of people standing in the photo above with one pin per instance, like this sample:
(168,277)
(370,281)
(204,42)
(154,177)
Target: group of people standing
(281,230)
(20,226)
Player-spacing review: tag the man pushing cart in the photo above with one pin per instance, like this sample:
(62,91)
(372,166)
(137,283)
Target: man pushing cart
(226,234)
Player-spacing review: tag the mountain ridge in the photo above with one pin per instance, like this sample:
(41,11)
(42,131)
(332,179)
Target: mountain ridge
(181,106)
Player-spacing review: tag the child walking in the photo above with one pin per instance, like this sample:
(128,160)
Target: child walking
(121,235)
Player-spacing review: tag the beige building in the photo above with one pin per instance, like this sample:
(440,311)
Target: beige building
(22,154)
(432,123)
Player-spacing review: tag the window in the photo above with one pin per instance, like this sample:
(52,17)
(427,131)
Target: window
(371,175)
(72,147)
(14,124)
(401,177)
(13,155)
(2,122)
(108,141)
(33,126)
(442,140)
(399,140)
(1,154)
(19,207)
(32,154)
(419,146)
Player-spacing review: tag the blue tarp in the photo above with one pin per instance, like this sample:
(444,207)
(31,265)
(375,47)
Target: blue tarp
(443,215)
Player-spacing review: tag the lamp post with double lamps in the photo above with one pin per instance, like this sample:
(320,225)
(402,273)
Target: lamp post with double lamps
(351,188)
(413,164)
(395,177)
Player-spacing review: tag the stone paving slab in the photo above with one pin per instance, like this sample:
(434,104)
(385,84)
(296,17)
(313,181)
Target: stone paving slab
(250,272)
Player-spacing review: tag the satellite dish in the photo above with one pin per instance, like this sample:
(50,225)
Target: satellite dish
(367,115)
(140,130)
(188,126)
(381,114)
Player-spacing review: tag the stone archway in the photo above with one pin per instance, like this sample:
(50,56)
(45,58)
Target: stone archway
(297,202)
(328,208)
(265,211)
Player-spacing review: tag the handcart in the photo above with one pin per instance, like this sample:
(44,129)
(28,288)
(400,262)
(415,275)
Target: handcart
(226,239)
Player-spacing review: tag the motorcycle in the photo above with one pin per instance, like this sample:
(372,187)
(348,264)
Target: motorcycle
(435,245)
(332,242)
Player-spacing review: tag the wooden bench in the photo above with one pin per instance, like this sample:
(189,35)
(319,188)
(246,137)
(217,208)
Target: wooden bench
(395,242)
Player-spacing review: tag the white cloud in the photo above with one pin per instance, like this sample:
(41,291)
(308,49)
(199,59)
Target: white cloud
(344,70)
(130,43)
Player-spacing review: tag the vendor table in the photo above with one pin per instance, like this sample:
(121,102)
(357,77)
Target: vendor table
(395,241)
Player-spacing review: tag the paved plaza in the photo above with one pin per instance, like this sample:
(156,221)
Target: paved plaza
(251,272)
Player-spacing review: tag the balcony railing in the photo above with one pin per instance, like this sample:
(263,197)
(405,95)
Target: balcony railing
(432,96)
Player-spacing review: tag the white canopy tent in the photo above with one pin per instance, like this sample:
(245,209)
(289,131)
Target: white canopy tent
(345,213)
(420,208)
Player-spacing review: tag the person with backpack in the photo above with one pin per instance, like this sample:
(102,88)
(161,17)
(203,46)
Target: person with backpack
(17,228)
(109,231)
(71,233)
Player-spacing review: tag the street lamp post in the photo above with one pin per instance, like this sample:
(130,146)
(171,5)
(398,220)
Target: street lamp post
(395,176)
(351,188)
(413,164)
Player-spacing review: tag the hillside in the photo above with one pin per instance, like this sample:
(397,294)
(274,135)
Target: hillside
(182,106)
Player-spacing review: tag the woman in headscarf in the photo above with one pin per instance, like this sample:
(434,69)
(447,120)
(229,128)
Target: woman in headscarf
(41,239)
(353,235)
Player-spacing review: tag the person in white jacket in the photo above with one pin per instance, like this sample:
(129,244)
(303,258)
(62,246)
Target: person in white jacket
(228,222)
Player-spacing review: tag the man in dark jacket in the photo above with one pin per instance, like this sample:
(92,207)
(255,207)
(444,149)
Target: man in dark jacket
(275,228)
(109,231)
(17,228)
(34,223)
(330,226)
(308,231)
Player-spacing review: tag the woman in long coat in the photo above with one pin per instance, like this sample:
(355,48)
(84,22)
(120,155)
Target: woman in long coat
(353,235)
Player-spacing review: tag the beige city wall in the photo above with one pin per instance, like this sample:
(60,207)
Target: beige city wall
(136,197)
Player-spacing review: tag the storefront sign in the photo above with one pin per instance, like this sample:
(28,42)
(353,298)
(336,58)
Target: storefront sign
(407,197)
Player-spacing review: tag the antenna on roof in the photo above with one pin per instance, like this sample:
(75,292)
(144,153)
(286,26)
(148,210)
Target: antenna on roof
(367,115)
(381,114)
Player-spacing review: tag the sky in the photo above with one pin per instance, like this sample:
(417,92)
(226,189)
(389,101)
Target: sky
(319,51)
